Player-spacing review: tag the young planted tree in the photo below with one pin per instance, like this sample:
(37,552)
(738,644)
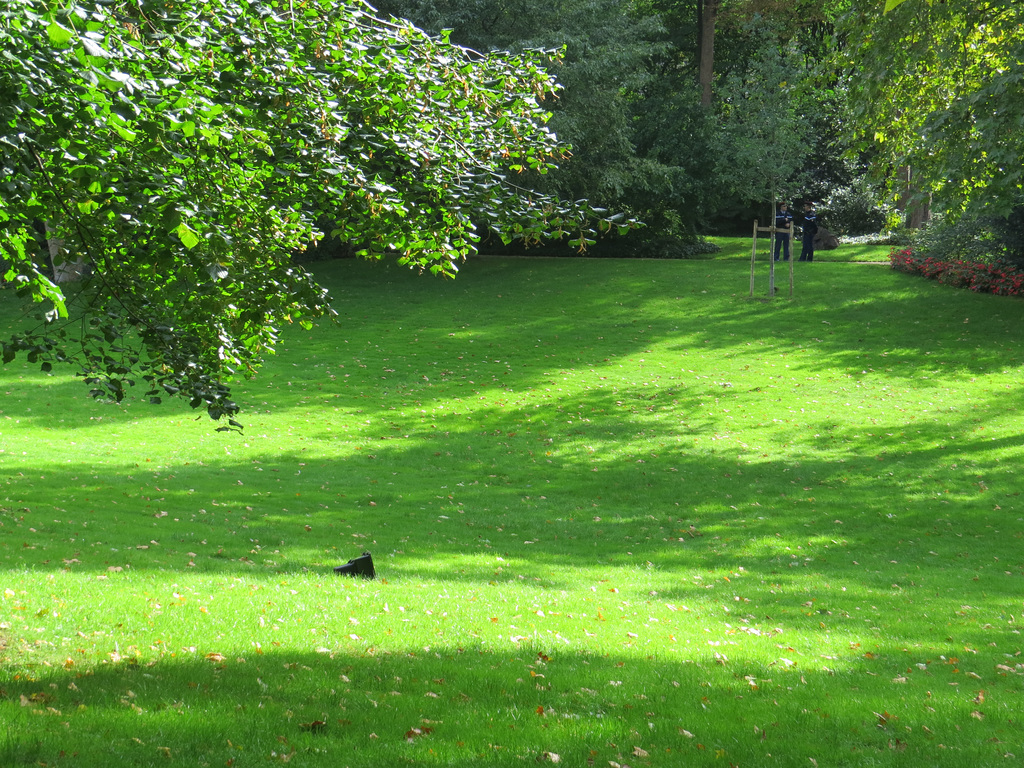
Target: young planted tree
(763,138)
(185,151)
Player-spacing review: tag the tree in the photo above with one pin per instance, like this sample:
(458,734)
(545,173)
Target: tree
(631,103)
(665,120)
(939,88)
(605,52)
(764,140)
(186,150)
(627,108)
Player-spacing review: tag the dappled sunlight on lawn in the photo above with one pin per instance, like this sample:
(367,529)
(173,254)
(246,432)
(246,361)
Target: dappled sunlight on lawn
(618,509)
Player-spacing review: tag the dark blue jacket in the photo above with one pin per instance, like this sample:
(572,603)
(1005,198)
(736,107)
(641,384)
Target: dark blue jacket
(810,223)
(783,219)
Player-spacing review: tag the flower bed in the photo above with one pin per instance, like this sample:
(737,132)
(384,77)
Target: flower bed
(998,277)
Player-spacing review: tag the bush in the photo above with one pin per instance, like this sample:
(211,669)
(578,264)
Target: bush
(660,247)
(663,236)
(900,236)
(965,239)
(852,210)
(1008,235)
(636,246)
(649,242)
(972,237)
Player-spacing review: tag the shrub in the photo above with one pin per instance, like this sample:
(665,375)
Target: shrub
(664,236)
(968,238)
(644,245)
(1008,235)
(852,210)
(972,237)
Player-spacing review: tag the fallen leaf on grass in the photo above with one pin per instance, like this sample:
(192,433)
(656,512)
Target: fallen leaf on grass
(549,757)
(317,726)
(638,752)
(412,734)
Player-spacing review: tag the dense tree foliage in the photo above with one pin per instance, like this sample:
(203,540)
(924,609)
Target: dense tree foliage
(763,139)
(186,150)
(634,104)
(939,88)
(607,75)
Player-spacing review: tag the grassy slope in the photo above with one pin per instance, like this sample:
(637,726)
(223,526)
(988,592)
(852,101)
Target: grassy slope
(621,513)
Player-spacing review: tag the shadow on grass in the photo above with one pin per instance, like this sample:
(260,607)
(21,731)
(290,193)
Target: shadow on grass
(540,318)
(487,451)
(517,324)
(444,496)
(469,704)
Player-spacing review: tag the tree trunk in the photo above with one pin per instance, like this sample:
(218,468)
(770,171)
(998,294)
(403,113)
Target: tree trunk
(707,49)
(916,209)
(771,251)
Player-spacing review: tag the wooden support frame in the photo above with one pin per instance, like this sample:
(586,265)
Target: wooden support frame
(775,232)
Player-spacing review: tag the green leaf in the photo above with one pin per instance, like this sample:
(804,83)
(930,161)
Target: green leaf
(94,50)
(189,238)
(59,36)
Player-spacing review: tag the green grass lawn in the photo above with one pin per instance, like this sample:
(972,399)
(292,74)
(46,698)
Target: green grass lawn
(621,513)
(740,247)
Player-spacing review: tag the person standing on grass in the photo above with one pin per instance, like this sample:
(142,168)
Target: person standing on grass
(783,230)
(810,226)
